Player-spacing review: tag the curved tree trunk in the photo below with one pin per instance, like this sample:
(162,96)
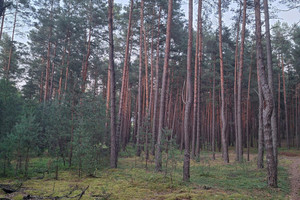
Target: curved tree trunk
(268,102)
(270,79)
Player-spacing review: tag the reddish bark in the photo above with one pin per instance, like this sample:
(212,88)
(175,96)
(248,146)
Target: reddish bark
(12,40)
(239,94)
(46,94)
(86,60)
(213,110)
(125,75)
(223,120)
(139,125)
(188,103)
(154,121)
(158,159)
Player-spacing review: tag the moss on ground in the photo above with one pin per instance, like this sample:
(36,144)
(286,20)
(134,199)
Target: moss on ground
(209,180)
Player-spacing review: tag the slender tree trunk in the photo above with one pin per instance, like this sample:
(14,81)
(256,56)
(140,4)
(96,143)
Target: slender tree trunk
(285,105)
(239,94)
(41,86)
(68,65)
(139,127)
(200,46)
(52,72)
(95,86)
(113,147)
(46,94)
(146,69)
(151,70)
(56,168)
(128,125)
(213,110)
(247,110)
(278,112)
(268,102)
(296,118)
(167,99)
(86,60)
(270,79)
(135,121)
(61,71)
(12,41)
(183,96)
(260,157)
(156,87)
(174,116)
(235,85)
(158,159)
(108,91)
(27,161)
(223,120)
(195,106)
(188,104)
(125,72)
(126,121)
(2,24)
(72,134)
(147,106)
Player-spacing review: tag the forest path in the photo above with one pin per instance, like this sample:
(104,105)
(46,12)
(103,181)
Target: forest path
(294,171)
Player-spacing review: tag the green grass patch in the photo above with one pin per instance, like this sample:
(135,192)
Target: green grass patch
(210,179)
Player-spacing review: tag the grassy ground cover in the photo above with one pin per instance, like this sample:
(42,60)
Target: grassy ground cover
(209,180)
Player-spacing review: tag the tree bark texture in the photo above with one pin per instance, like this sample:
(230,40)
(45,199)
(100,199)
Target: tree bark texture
(268,102)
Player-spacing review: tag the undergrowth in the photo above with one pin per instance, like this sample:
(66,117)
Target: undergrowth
(210,179)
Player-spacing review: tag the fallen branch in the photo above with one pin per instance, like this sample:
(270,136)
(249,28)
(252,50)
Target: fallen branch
(67,196)
(10,188)
(102,196)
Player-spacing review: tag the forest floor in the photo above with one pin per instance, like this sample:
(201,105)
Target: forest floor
(294,172)
(210,179)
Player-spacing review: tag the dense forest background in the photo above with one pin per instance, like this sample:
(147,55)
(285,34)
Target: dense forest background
(175,85)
